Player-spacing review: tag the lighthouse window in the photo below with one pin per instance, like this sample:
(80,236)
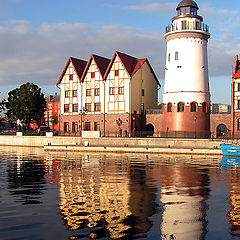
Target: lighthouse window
(169,107)
(188,10)
(176,56)
(169,57)
(198,25)
(204,107)
(193,107)
(184,25)
(180,107)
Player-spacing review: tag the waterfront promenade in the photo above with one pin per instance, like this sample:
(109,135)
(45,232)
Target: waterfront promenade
(120,145)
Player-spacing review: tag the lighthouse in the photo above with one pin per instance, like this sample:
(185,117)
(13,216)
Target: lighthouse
(186,98)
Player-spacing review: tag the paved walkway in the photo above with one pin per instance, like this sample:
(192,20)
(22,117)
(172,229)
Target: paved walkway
(136,149)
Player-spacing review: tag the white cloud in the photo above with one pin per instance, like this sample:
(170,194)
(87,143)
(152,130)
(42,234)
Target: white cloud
(149,6)
(39,55)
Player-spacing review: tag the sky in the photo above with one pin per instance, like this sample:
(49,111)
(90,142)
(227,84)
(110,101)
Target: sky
(37,37)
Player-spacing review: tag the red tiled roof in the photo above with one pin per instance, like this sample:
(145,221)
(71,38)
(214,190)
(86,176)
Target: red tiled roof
(140,62)
(102,64)
(78,64)
(236,70)
(131,64)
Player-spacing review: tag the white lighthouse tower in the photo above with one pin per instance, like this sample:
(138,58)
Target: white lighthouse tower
(186,95)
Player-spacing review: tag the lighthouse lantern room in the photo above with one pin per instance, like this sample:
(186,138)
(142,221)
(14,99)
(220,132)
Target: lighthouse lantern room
(186,95)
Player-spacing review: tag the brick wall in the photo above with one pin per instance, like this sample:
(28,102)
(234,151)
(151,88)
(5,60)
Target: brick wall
(216,120)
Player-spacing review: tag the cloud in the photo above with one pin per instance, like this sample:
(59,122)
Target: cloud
(149,6)
(39,53)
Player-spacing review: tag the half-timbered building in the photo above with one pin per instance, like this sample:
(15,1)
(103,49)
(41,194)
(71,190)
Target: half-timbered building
(105,95)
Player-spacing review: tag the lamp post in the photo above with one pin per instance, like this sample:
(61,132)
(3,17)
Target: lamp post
(195,120)
(82,113)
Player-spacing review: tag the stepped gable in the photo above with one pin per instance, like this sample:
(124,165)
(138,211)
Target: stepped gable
(236,69)
(78,64)
(101,62)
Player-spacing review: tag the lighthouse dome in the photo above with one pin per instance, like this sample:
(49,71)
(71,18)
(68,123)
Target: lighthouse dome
(187,3)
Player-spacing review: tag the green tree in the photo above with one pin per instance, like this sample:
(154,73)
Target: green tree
(54,120)
(26,103)
(2,105)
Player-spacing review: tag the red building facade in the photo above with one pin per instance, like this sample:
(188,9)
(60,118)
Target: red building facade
(53,109)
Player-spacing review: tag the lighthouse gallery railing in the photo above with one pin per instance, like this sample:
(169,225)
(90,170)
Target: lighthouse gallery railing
(188,26)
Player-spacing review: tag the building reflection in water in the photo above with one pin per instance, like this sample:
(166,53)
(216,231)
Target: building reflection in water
(232,165)
(183,193)
(107,196)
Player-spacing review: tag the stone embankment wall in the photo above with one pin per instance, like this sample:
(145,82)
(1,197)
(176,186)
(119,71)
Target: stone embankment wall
(40,141)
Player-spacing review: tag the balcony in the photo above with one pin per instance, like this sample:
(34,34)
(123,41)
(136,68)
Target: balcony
(187,26)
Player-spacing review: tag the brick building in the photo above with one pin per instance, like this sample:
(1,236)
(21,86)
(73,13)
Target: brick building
(235,99)
(53,108)
(106,95)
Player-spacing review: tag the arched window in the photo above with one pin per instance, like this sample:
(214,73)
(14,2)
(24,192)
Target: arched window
(169,57)
(204,107)
(176,56)
(169,107)
(193,107)
(180,107)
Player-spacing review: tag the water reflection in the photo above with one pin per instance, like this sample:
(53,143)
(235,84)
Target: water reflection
(232,163)
(184,192)
(79,196)
(109,197)
(26,179)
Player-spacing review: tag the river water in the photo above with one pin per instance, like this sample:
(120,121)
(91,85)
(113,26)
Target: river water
(54,195)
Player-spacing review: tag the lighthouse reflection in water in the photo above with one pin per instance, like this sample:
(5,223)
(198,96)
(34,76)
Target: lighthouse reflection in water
(79,196)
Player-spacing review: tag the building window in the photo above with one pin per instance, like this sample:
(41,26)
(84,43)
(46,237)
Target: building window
(238,124)
(121,90)
(66,108)
(88,92)
(74,127)
(96,126)
(142,92)
(204,107)
(238,87)
(169,57)
(193,107)
(67,94)
(88,107)
(49,106)
(116,73)
(70,77)
(96,92)
(75,107)
(92,74)
(87,126)
(111,91)
(97,107)
(66,126)
(176,56)
(169,107)
(74,93)
(184,25)
(180,107)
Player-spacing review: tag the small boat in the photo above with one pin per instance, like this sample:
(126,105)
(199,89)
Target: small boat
(230,149)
